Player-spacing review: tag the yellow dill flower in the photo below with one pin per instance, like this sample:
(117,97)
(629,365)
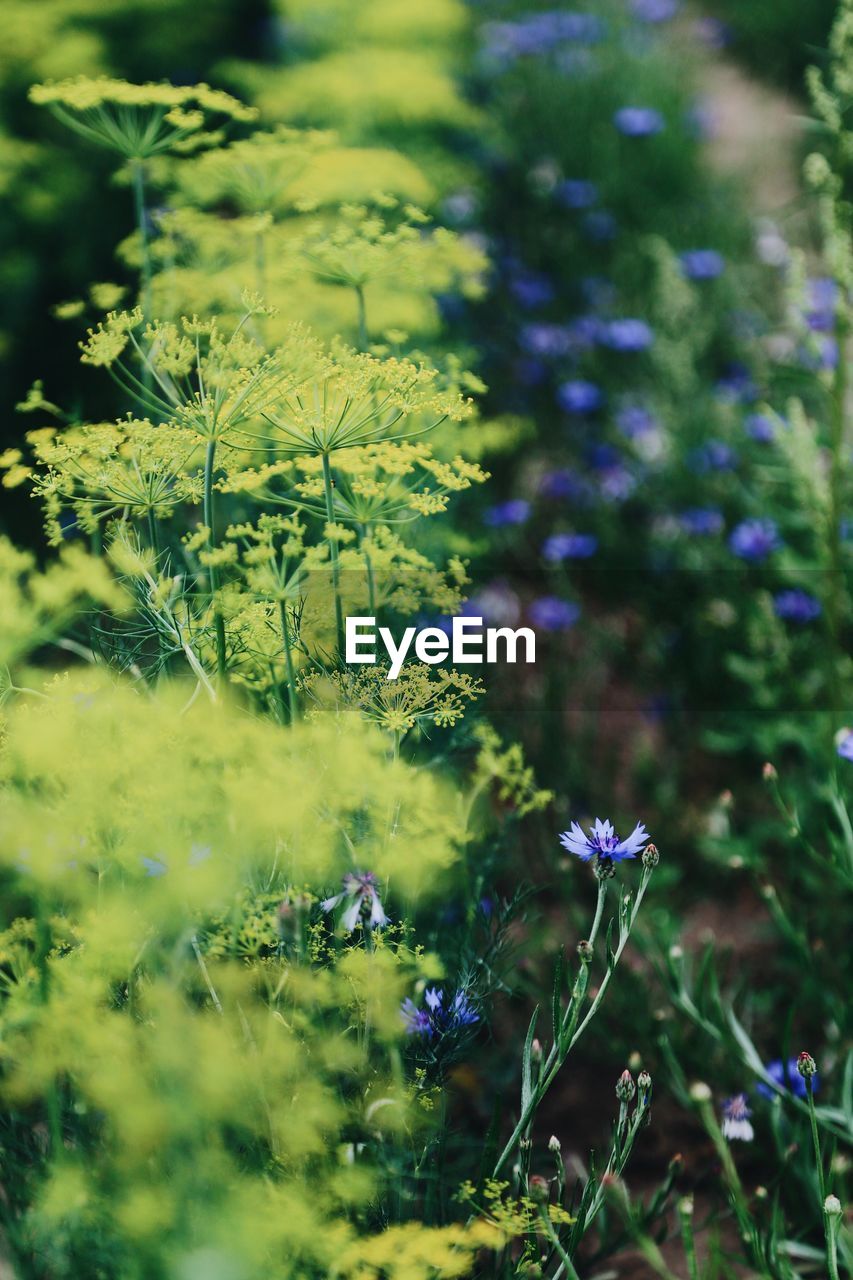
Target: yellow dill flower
(136,121)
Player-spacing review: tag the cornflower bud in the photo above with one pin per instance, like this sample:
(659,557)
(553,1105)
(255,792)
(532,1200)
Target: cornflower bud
(700,1092)
(585,951)
(605,868)
(538,1188)
(769,773)
(832,1207)
(685,1206)
(644,1082)
(536,1050)
(554,1144)
(806,1065)
(625,1087)
(651,857)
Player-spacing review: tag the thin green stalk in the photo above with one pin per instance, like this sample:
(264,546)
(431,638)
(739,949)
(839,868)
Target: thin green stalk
(328,489)
(209,520)
(685,1214)
(142,226)
(363,339)
(292,700)
(836,495)
(570,1032)
(816,1140)
(568,1266)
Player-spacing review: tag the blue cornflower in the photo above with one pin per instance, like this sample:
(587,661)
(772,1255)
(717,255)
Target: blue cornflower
(655,10)
(154,866)
(755,540)
(713,455)
(579,396)
(844,744)
(627,335)
(786,1075)
(513,511)
(737,386)
(635,420)
(600,225)
(545,339)
(759,427)
(822,294)
(550,613)
(639,122)
(796,606)
(531,289)
(434,1019)
(603,843)
(704,522)
(576,193)
(570,546)
(563,484)
(702,264)
(365,904)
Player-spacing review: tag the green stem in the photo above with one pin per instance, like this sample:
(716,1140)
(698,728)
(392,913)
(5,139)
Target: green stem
(292,701)
(836,486)
(363,339)
(142,226)
(816,1141)
(328,488)
(209,520)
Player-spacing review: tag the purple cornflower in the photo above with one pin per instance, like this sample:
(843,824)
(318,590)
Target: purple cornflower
(638,122)
(786,1075)
(553,614)
(702,264)
(434,1020)
(736,1115)
(844,744)
(796,606)
(569,546)
(513,511)
(602,843)
(704,522)
(360,887)
(655,10)
(576,193)
(755,540)
(759,427)
(578,396)
(627,335)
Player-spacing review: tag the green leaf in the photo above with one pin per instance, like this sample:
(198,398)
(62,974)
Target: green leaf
(527,1063)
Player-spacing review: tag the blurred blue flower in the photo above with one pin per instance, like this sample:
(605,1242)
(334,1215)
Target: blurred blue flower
(796,606)
(603,843)
(576,193)
(787,1077)
(513,511)
(702,521)
(627,335)
(755,540)
(844,745)
(713,455)
(638,122)
(635,420)
(563,484)
(761,428)
(822,294)
(600,225)
(531,289)
(569,546)
(578,396)
(540,33)
(364,905)
(736,1116)
(655,10)
(553,614)
(737,386)
(154,866)
(702,264)
(542,339)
